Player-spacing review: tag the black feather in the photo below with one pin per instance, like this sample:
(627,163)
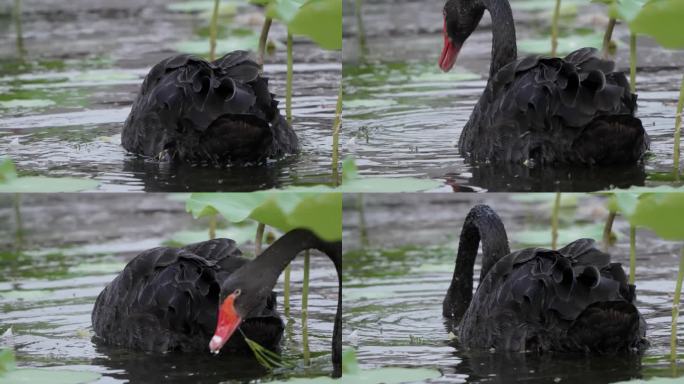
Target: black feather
(167,299)
(207,112)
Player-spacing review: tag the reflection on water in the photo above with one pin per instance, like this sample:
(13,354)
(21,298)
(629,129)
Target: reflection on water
(394,289)
(74,245)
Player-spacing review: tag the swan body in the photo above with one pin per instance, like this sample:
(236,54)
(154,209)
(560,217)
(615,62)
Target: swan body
(543,110)
(211,113)
(569,300)
(166,299)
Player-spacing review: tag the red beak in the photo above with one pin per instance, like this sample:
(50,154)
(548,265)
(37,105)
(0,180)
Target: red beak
(228,322)
(449,53)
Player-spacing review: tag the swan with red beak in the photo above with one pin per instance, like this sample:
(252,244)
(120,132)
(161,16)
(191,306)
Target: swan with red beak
(181,299)
(244,291)
(460,20)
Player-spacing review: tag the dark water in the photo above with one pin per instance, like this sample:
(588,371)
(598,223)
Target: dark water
(404,117)
(394,288)
(70,71)
(72,246)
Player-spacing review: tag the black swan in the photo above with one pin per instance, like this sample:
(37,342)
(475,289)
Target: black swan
(542,110)
(570,300)
(213,113)
(194,298)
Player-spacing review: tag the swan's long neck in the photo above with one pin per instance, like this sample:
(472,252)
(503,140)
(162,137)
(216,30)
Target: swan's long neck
(265,269)
(504,48)
(481,225)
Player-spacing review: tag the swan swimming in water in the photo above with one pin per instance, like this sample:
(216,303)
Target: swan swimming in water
(570,300)
(213,113)
(542,110)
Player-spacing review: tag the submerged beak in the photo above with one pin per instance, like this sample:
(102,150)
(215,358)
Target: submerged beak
(449,53)
(228,322)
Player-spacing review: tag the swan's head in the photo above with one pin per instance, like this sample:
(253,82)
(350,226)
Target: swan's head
(240,299)
(461,17)
(229,319)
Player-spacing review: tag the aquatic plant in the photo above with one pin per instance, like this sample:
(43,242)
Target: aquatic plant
(658,19)
(659,212)
(318,20)
(212,31)
(11,374)
(554,221)
(263,39)
(10,182)
(554,28)
(625,10)
(267,358)
(360,29)
(353,374)
(336,139)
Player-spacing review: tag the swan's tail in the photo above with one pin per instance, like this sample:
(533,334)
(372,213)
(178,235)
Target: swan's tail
(608,327)
(481,225)
(611,140)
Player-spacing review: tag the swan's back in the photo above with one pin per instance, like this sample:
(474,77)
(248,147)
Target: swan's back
(207,112)
(166,299)
(572,300)
(551,110)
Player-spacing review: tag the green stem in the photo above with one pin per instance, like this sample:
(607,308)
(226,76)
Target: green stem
(632,254)
(554,29)
(607,37)
(361,28)
(263,39)
(362,220)
(17,25)
(678,126)
(288,91)
(286,291)
(18,221)
(213,31)
(305,307)
(608,230)
(336,139)
(212,226)
(259,238)
(554,221)
(632,62)
(675,309)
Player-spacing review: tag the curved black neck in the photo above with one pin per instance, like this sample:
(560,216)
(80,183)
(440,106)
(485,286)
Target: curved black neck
(481,225)
(504,48)
(275,258)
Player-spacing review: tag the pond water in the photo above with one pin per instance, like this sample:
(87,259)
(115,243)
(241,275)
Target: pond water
(71,247)
(69,73)
(404,117)
(394,287)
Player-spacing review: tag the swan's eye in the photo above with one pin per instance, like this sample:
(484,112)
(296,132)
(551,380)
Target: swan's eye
(237,292)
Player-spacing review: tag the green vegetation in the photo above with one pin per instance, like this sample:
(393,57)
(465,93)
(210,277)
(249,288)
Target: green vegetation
(11,374)
(661,213)
(321,22)
(10,182)
(658,19)
(353,374)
